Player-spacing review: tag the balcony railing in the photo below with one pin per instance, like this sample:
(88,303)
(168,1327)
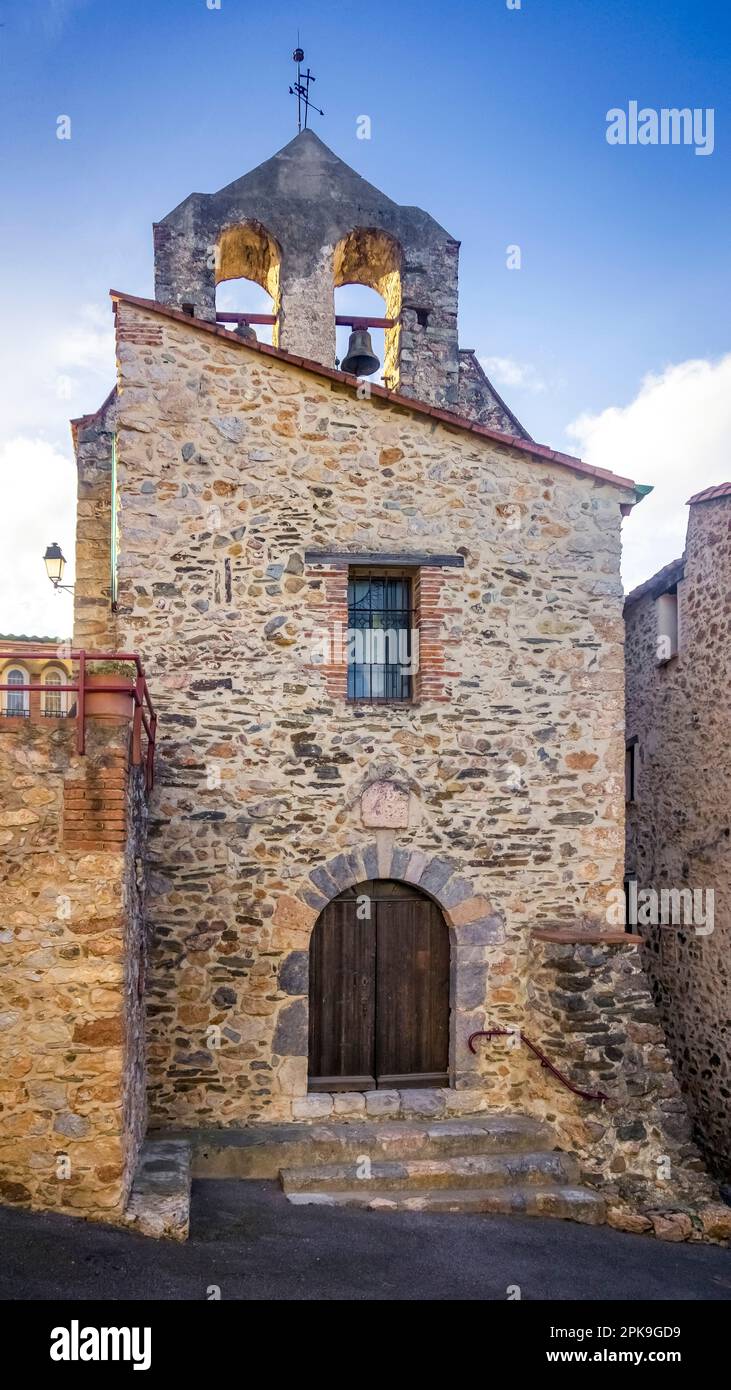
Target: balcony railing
(144,718)
(24,711)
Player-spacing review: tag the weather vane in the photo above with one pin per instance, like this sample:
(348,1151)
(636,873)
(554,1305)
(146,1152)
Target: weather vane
(301,88)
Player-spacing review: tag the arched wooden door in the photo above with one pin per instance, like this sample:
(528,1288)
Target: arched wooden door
(379,991)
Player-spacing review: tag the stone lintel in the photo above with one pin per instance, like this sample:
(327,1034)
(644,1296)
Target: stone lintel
(418,560)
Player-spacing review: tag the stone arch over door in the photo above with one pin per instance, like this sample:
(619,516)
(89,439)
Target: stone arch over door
(475,929)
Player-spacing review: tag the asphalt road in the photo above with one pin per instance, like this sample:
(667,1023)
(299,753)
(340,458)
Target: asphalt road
(247,1240)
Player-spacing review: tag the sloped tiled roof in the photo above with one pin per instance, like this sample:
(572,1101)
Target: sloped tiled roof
(710,494)
(23,637)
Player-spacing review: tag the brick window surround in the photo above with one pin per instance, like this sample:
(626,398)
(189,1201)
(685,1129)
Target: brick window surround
(433,595)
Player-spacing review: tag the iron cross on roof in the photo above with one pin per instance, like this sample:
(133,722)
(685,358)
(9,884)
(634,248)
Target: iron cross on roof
(301,89)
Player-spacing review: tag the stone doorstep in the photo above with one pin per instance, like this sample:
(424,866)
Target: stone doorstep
(426,1102)
(159,1200)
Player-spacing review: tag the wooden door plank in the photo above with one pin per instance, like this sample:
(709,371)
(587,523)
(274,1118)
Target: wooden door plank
(412,992)
(342,998)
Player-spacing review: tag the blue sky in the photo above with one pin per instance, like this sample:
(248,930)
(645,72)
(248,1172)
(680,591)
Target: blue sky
(613,338)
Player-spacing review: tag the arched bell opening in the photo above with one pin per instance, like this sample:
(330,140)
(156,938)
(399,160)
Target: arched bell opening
(367,284)
(247,274)
(379,987)
(361,303)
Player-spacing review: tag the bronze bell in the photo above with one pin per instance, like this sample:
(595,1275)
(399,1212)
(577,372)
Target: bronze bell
(360,359)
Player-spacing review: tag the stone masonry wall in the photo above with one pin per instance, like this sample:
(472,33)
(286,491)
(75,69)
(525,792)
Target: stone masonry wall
(591,1006)
(72,1092)
(679,828)
(232,464)
(93,616)
(479,401)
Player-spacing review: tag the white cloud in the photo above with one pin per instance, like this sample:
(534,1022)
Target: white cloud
(87,343)
(676,435)
(505,371)
(47,375)
(50,16)
(37,505)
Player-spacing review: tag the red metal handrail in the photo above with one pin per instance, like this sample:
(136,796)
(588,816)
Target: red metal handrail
(144,715)
(543,1059)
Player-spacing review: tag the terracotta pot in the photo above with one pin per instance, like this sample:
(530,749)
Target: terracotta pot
(108,704)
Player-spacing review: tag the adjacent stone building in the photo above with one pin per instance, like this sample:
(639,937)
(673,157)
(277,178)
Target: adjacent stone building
(48,668)
(679,805)
(383,631)
(72,1091)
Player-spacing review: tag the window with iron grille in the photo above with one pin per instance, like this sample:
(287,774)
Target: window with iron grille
(380,632)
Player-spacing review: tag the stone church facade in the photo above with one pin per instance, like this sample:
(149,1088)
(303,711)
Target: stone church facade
(242,510)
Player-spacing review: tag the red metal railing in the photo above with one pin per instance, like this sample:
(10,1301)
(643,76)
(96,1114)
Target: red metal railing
(143,716)
(543,1059)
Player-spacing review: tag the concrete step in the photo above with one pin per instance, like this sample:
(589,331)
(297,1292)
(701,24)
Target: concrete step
(261,1151)
(479,1171)
(159,1200)
(566,1203)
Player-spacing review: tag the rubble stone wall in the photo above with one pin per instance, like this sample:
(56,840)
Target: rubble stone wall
(72,1093)
(94,624)
(679,827)
(591,1008)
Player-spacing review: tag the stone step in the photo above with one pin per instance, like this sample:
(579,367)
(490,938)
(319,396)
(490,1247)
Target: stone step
(473,1171)
(261,1151)
(159,1200)
(566,1203)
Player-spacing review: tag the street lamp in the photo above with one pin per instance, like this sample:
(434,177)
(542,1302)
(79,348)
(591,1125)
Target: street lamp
(55,562)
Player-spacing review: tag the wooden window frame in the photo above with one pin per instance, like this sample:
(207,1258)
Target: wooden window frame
(24,711)
(49,685)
